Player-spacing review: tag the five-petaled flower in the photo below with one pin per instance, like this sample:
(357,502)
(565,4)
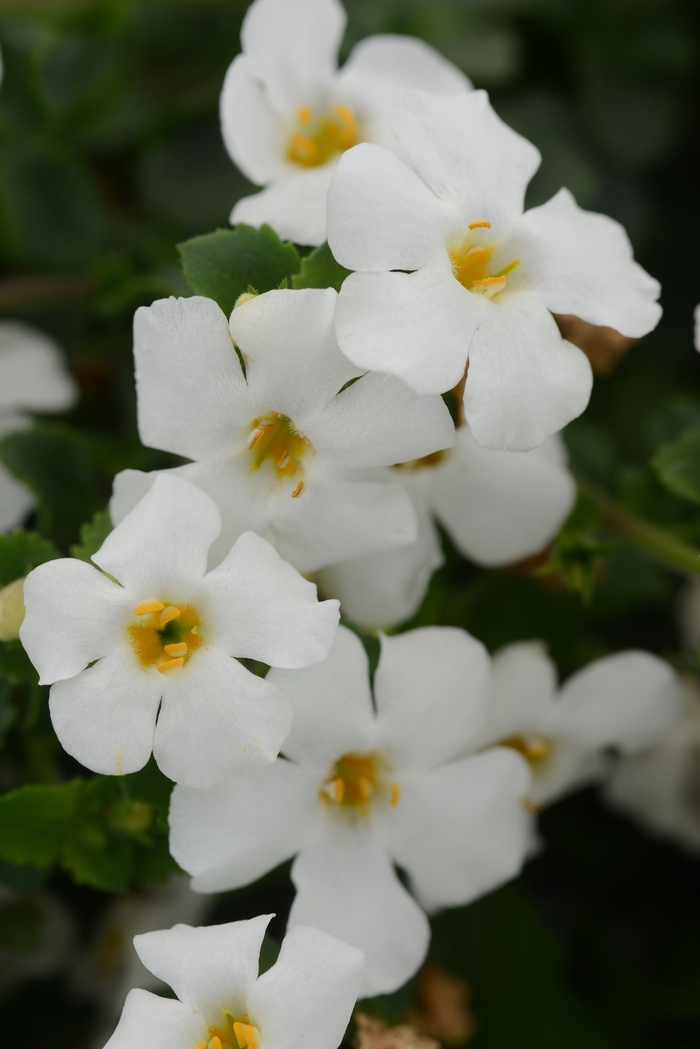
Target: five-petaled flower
(306,998)
(141,658)
(360,790)
(453,271)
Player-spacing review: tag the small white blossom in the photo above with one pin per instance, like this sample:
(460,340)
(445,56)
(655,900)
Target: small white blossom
(497,507)
(141,659)
(278,447)
(624,701)
(485,277)
(362,789)
(306,998)
(287,113)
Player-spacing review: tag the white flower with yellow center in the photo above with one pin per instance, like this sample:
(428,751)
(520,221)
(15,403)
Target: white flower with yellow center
(451,270)
(306,998)
(278,447)
(288,114)
(141,658)
(624,701)
(497,507)
(362,789)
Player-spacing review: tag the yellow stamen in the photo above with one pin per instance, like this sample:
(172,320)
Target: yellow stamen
(170,613)
(201,1045)
(194,630)
(318,138)
(304,115)
(394,793)
(148,606)
(298,490)
(155,641)
(489,286)
(178,649)
(283,460)
(170,664)
(480,224)
(215,1043)
(253,1036)
(335,790)
(508,269)
(255,436)
(275,442)
(535,749)
(365,787)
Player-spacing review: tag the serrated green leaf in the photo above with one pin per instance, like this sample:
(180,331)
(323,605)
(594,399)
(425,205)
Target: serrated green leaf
(224,264)
(320,270)
(21,552)
(92,535)
(34,821)
(677,465)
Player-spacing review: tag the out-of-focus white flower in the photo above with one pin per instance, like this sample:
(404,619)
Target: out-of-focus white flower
(278,447)
(159,643)
(287,113)
(33,378)
(485,277)
(497,507)
(306,998)
(360,790)
(55,941)
(625,701)
(696,331)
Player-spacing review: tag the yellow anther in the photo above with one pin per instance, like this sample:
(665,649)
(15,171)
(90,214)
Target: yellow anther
(335,790)
(304,115)
(201,1045)
(480,224)
(148,606)
(171,612)
(241,1032)
(489,286)
(253,1035)
(194,630)
(170,664)
(394,793)
(320,136)
(365,787)
(298,490)
(179,649)
(215,1043)
(255,436)
(283,460)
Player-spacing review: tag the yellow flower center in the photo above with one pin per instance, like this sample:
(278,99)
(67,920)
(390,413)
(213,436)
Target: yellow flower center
(356,780)
(274,440)
(234,1034)
(471,262)
(534,748)
(434,459)
(166,635)
(318,137)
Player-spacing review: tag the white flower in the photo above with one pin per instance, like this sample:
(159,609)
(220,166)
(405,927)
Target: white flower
(696,327)
(159,643)
(497,507)
(361,790)
(625,701)
(484,275)
(33,378)
(277,448)
(287,113)
(306,998)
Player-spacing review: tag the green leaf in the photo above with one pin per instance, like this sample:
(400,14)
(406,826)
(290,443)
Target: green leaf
(92,535)
(34,821)
(224,264)
(15,664)
(320,270)
(22,551)
(677,465)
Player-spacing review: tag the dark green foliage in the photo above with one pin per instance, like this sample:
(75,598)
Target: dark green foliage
(677,465)
(320,270)
(22,551)
(92,535)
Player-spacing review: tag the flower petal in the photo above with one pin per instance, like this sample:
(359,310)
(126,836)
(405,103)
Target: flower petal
(74,615)
(209,968)
(216,717)
(295,205)
(332,705)
(16,501)
(462,829)
(407,62)
(525,382)
(276,809)
(308,995)
(347,886)
(253,132)
(151,1022)
(524,681)
(583,264)
(32,373)
(105,717)
(432,689)
(569,767)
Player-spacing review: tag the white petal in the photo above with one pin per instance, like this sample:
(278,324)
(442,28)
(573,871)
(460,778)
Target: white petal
(292,48)
(500,506)
(128,489)
(265,610)
(380,215)
(696,327)
(347,886)
(462,829)
(188,379)
(407,62)
(216,717)
(568,767)
(210,968)
(295,205)
(234,832)
(151,1022)
(32,372)
(583,265)
(524,681)
(106,716)
(332,704)
(160,549)
(432,689)
(253,132)
(625,700)
(383,589)
(74,615)
(16,500)
(525,382)
(308,995)
(465,153)
(417,326)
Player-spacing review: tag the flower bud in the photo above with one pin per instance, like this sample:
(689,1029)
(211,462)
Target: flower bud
(11,609)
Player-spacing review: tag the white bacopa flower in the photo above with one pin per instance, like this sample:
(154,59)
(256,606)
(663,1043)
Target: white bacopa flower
(624,701)
(306,998)
(287,113)
(33,378)
(364,789)
(497,507)
(485,277)
(141,659)
(278,447)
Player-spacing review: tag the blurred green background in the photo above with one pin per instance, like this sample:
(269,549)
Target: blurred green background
(110,154)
